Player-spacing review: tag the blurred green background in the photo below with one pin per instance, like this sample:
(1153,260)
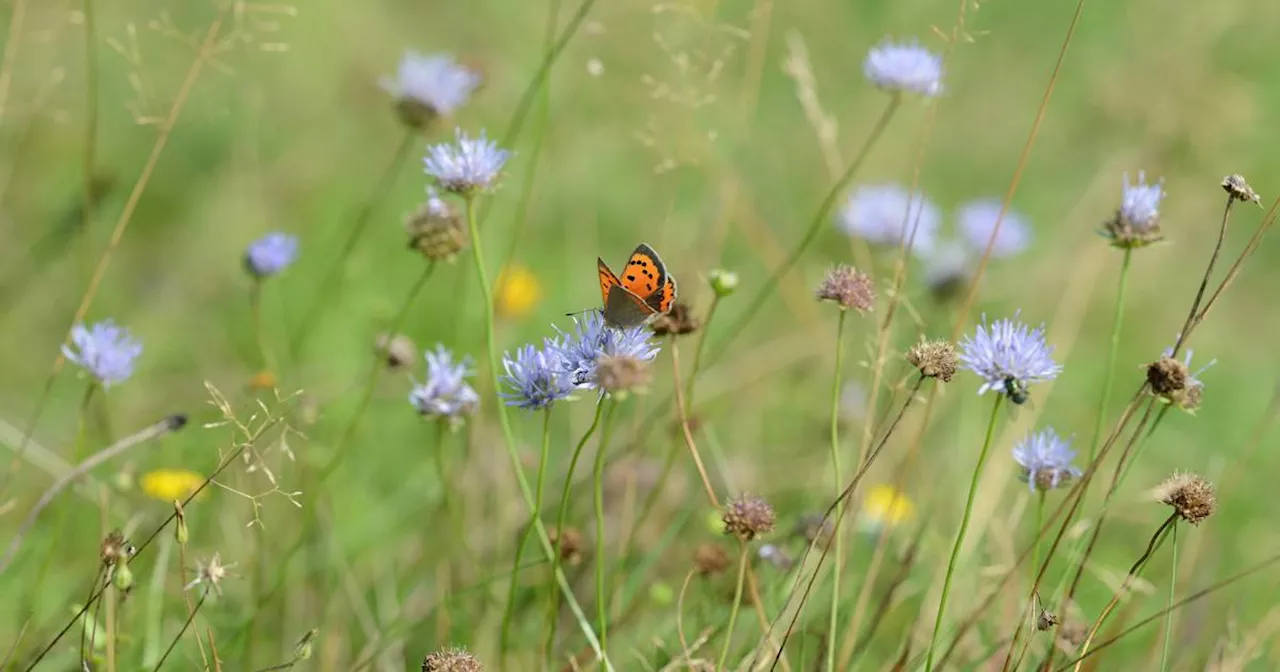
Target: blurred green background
(680,124)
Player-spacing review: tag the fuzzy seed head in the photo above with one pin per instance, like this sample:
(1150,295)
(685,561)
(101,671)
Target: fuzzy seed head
(849,288)
(451,660)
(679,321)
(570,545)
(1168,377)
(436,229)
(211,573)
(748,516)
(934,359)
(621,373)
(115,549)
(1239,189)
(1190,495)
(398,350)
(710,559)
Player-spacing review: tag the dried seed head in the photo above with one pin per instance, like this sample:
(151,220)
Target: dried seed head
(211,573)
(935,359)
(1168,377)
(678,322)
(622,373)
(570,546)
(1190,495)
(1239,189)
(451,660)
(747,517)
(710,559)
(849,288)
(436,229)
(1046,620)
(397,351)
(116,549)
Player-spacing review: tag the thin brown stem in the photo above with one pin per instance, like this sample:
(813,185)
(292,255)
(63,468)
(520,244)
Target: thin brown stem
(684,428)
(1232,272)
(1204,282)
(186,624)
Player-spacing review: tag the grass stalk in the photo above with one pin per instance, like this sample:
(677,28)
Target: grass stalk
(737,602)
(833,622)
(1173,585)
(1104,400)
(597,472)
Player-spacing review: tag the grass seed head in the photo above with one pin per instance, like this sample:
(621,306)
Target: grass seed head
(1190,495)
(748,516)
(934,359)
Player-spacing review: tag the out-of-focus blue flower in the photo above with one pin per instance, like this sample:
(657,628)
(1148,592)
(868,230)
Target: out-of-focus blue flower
(436,82)
(948,267)
(581,350)
(1045,460)
(467,164)
(1008,356)
(1140,202)
(271,254)
(978,220)
(536,377)
(878,213)
(445,394)
(904,66)
(104,350)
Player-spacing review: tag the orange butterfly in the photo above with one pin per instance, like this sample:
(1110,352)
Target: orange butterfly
(644,290)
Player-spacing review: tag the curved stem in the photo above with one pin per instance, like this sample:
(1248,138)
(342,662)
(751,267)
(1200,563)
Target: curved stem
(833,623)
(964,527)
(509,612)
(1109,374)
(737,601)
(602,598)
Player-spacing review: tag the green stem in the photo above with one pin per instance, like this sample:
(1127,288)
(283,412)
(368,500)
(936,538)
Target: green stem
(91,115)
(964,527)
(1108,375)
(737,601)
(561,515)
(1173,582)
(833,622)
(1035,545)
(602,598)
(509,612)
(697,353)
(509,440)
(77,452)
(259,336)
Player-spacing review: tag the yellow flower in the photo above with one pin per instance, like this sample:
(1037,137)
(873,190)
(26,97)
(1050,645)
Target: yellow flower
(518,291)
(883,505)
(167,485)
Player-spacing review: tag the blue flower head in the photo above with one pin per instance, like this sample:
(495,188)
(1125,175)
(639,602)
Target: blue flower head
(537,377)
(445,394)
(879,214)
(904,66)
(436,84)
(270,254)
(1045,460)
(978,220)
(1137,220)
(467,164)
(1008,356)
(104,350)
(581,350)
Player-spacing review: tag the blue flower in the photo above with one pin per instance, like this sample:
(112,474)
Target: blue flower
(1009,356)
(271,254)
(467,164)
(581,351)
(879,214)
(905,66)
(1045,460)
(104,350)
(536,376)
(436,82)
(1140,203)
(445,393)
(978,220)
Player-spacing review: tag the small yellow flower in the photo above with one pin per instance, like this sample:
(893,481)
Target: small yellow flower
(518,291)
(167,485)
(883,505)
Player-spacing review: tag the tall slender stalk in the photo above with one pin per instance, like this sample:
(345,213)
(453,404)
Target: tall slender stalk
(964,527)
(259,335)
(89,158)
(602,598)
(1173,585)
(1108,375)
(737,601)
(697,351)
(544,455)
(838,560)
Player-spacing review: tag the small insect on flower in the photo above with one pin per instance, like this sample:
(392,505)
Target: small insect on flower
(429,87)
(445,394)
(1137,221)
(887,214)
(904,67)
(1045,460)
(466,165)
(104,351)
(270,254)
(536,378)
(978,222)
(1009,356)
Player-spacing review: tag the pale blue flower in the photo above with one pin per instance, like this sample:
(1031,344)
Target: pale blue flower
(445,393)
(904,66)
(467,164)
(1140,202)
(436,82)
(1045,460)
(271,254)
(537,377)
(978,219)
(591,339)
(878,213)
(1008,356)
(104,350)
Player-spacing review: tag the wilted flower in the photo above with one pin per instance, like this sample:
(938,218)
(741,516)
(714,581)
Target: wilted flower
(270,254)
(581,351)
(167,485)
(617,374)
(1190,495)
(678,321)
(445,393)
(1240,189)
(435,229)
(1137,221)
(978,221)
(710,559)
(1173,381)
(849,288)
(465,165)
(747,517)
(536,377)
(878,213)
(1009,356)
(904,66)
(934,359)
(517,292)
(428,87)
(104,350)
(1045,460)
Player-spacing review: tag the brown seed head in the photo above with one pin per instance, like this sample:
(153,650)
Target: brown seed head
(621,373)
(570,546)
(1168,377)
(747,517)
(1239,189)
(710,559)
(849,288)
(678,322)
(1046,620)
(451,660)
(115,549)
(397,351)
(436,230)
(935,359)
(1190,495)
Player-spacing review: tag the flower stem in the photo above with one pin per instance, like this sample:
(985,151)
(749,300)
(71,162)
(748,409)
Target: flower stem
(837,560)
(1035,544)
(964,527)
(183,631)
(697,351)
(737,601)
(1104,400)
(602,601)
(259,336)
(1173,583)
(509,612)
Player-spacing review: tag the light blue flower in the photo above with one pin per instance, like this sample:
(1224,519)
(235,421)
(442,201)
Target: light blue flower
(437,82)
(271,254)
(878,213)
(904,66)
(104,350)
(1008,356)
(978,219)
(445,393)
(1140,202)
(1045,460)
(467,164)
(537,377)
(581,350)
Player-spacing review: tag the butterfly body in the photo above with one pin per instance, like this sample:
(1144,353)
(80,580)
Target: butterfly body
(643,290)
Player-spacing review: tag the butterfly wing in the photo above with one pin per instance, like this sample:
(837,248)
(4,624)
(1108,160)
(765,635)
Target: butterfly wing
(624,310)
(645,273)
(607,280)
(662,301)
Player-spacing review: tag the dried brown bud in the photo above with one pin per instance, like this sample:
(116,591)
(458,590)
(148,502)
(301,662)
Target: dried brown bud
(1190,495)
(398,351)
(1167,377)
(621,373)
(710,559)
(436,229)
(849,288)
(747,517)
(677,322)
(570,546)
(1046,620)
(451,660)
(1239,189)
(115,549)
(935,359)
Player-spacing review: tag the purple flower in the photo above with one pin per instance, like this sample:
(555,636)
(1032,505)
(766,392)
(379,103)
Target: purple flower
(904,66)
(1008,356)
(978,220)
(436,82)
(465,165)
(591,339)
(270,254)
(879,214)
(104,350)
(537,377)
(1045,460)
(1140,203)
(445,393)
